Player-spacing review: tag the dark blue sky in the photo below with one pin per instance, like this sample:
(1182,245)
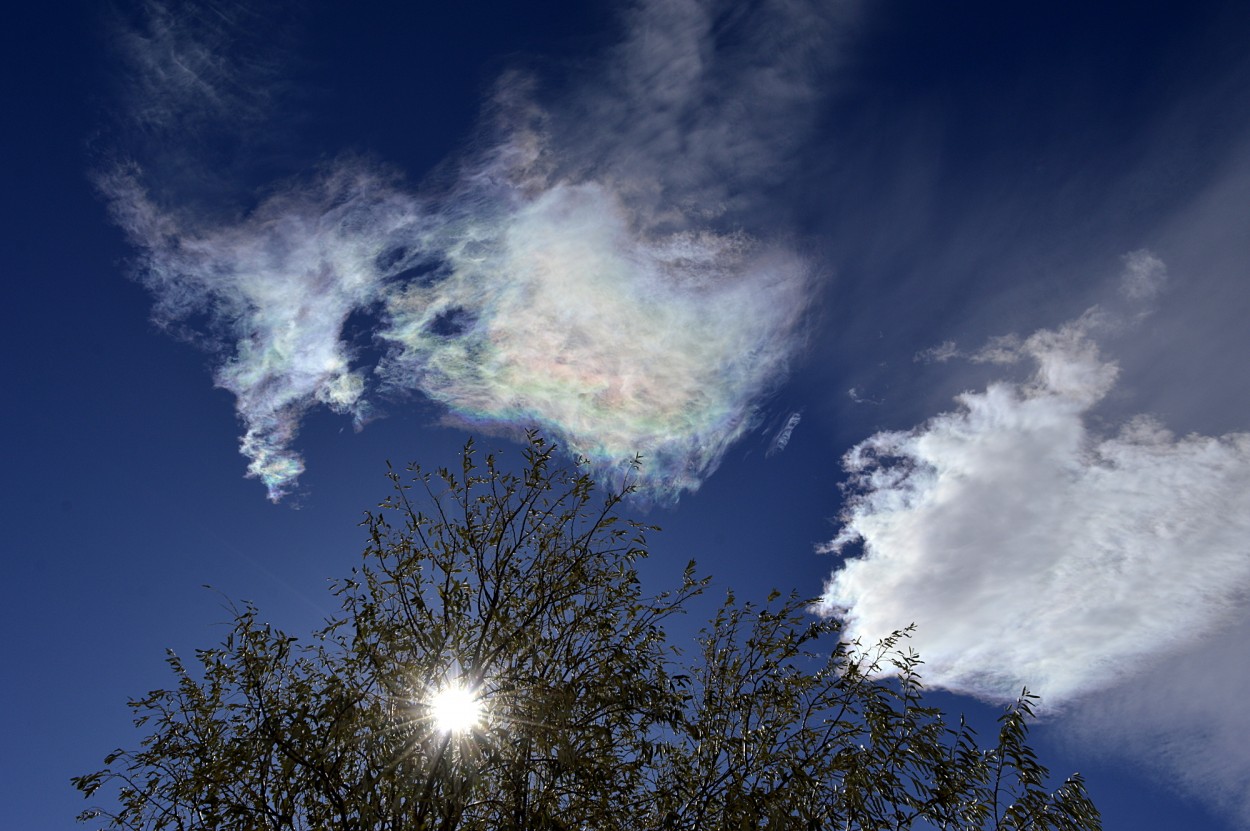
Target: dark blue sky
(751,213)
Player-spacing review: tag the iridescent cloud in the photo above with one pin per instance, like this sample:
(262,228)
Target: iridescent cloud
(558,282)
(551,309)
(275,291)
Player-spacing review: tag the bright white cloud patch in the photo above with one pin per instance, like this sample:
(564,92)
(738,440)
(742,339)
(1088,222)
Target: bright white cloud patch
(1029,548)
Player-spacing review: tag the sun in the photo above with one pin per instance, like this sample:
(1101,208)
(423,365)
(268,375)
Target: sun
(455,708)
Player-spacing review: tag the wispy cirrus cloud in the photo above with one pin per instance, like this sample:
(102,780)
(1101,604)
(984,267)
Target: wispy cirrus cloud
(193,65)
(602,284)
(701,104)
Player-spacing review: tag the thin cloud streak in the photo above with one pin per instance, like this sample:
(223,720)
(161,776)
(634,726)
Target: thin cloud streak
(781,440)
(1031,549)
(557,282)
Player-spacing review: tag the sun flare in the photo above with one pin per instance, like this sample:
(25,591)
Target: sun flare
(455,708)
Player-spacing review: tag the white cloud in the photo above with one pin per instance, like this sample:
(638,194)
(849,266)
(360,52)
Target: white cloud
(1144,276)
(781,439)
(277,289)
(578,274)
(185,70)
(703,101)
(1184,720)
(1031,549)
(554,310)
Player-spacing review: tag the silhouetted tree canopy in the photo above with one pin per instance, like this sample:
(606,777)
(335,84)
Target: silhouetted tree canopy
(521,590)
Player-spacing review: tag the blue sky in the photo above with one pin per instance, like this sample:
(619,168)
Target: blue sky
(984,266)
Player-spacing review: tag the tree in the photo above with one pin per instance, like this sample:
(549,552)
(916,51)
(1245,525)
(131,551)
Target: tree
(519,593)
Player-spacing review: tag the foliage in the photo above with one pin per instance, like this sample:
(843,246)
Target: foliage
(525,587)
